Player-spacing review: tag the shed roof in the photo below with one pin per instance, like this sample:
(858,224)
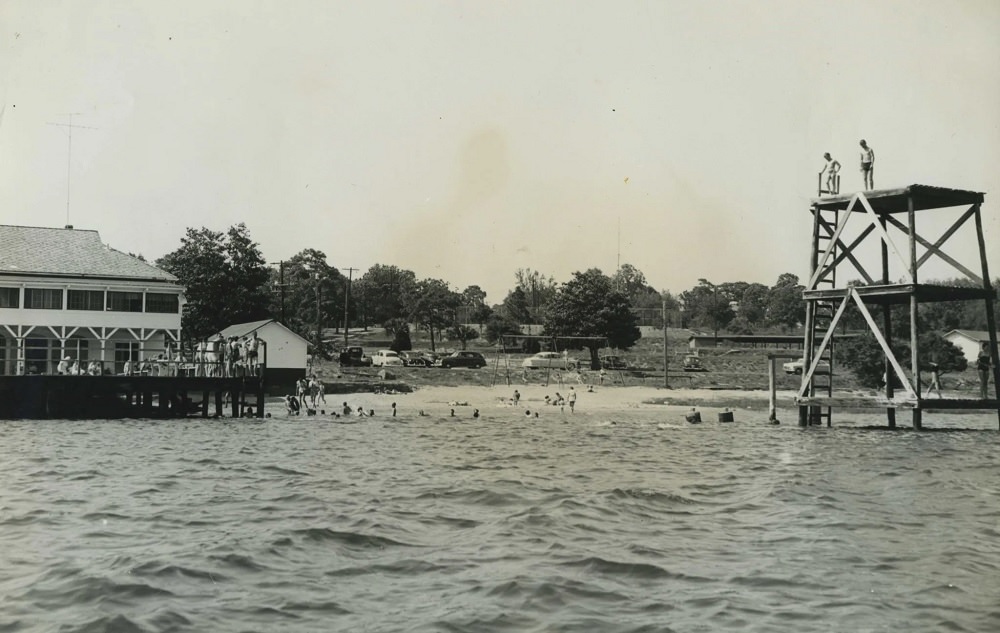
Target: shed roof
(242,329)
(34,250)
(980,336)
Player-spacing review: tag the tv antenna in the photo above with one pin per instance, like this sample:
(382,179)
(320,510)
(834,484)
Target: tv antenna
(69,153)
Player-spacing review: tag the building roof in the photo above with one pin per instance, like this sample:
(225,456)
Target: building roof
(980,336)
(242,329)
(34,250)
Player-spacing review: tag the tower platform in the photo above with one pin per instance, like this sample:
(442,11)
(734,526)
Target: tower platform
(888,284)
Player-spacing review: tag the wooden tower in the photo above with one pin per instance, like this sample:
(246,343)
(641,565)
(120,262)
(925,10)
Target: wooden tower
(874,213)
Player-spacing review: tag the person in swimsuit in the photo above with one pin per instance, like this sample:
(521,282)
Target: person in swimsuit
(983,362)
(831,169)
(867,165)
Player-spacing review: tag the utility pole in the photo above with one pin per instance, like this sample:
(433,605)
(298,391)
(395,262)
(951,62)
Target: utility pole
(69,153)
(347,298)
(666,355)
(319,313)
(281,286)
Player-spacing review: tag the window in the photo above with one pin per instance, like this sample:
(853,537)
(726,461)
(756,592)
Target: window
(125,301)
(6,365)
(85,300)
(125,352)
(10,297)
(43,298)
(160,302)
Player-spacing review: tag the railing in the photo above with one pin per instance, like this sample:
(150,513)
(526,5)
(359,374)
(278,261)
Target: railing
(833,184)
(163,362)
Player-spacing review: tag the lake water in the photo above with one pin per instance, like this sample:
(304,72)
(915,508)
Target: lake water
(630,522)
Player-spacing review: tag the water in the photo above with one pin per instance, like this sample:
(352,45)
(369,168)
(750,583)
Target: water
(498,524)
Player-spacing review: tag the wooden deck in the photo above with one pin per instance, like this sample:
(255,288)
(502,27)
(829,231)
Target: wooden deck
(115,397)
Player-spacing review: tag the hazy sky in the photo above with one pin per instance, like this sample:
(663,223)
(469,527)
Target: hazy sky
(464,140)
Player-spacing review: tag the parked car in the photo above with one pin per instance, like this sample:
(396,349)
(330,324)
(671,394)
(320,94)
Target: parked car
(796,367)
(613,362)
(692,363)
(416,358)
(548,360)
(464,359)
(354,356)
(386,358)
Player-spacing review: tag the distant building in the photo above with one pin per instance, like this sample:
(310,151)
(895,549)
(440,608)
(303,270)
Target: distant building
(284,351)
(774,341)
(968,341)
(65,294)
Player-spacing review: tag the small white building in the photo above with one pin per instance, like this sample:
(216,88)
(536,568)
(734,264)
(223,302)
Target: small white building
(969,341)
(284,351)
(65,294)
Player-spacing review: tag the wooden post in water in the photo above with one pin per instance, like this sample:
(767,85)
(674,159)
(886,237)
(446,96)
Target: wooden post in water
(914,338)
(218,403)
(772,401)
(887,325)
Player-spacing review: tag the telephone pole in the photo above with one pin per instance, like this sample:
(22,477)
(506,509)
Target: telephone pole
(69,153)
(347,298)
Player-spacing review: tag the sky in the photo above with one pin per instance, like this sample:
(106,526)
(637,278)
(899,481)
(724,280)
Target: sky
(465,140)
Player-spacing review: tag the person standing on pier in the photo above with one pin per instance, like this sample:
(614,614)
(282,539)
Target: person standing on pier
(867,165)
(983,363)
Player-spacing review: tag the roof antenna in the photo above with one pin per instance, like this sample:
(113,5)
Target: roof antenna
(69,154)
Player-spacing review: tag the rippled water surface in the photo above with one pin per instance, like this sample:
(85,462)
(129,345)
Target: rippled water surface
(584,523)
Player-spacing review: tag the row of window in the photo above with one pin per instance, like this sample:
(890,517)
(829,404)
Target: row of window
(42,356)
(114,301)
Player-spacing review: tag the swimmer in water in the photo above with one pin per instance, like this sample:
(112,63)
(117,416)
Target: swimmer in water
(475,413)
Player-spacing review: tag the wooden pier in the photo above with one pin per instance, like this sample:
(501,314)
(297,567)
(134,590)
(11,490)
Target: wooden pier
(891,281)
(114,397)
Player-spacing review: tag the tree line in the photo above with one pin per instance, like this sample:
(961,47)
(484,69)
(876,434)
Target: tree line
(229,281)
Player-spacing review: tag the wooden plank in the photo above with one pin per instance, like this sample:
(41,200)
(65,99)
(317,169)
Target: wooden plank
(890,356)
(857,402)
(934,250)
(885,235)
(817,272)
(991,321)
(947,234)
(846,252)
(807,376)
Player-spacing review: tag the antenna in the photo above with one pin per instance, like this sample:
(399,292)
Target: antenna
(69,153)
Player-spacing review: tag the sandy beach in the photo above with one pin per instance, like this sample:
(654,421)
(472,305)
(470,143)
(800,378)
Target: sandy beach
(490,400)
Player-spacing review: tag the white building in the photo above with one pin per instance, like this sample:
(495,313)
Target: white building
(64,293)
(969,342)
(284,351)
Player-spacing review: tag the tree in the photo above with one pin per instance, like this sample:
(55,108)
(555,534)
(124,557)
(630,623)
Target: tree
(630,281)
(462,333)
(706,305)
(474,302)
(516,306)
(537,288)
(588,305)
(380,292)
(401,339)
(225,279)
(785,306)
(498,324)
(314,294)
(864,356)
(431,304)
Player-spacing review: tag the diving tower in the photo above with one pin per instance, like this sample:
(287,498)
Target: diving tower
(886,219)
